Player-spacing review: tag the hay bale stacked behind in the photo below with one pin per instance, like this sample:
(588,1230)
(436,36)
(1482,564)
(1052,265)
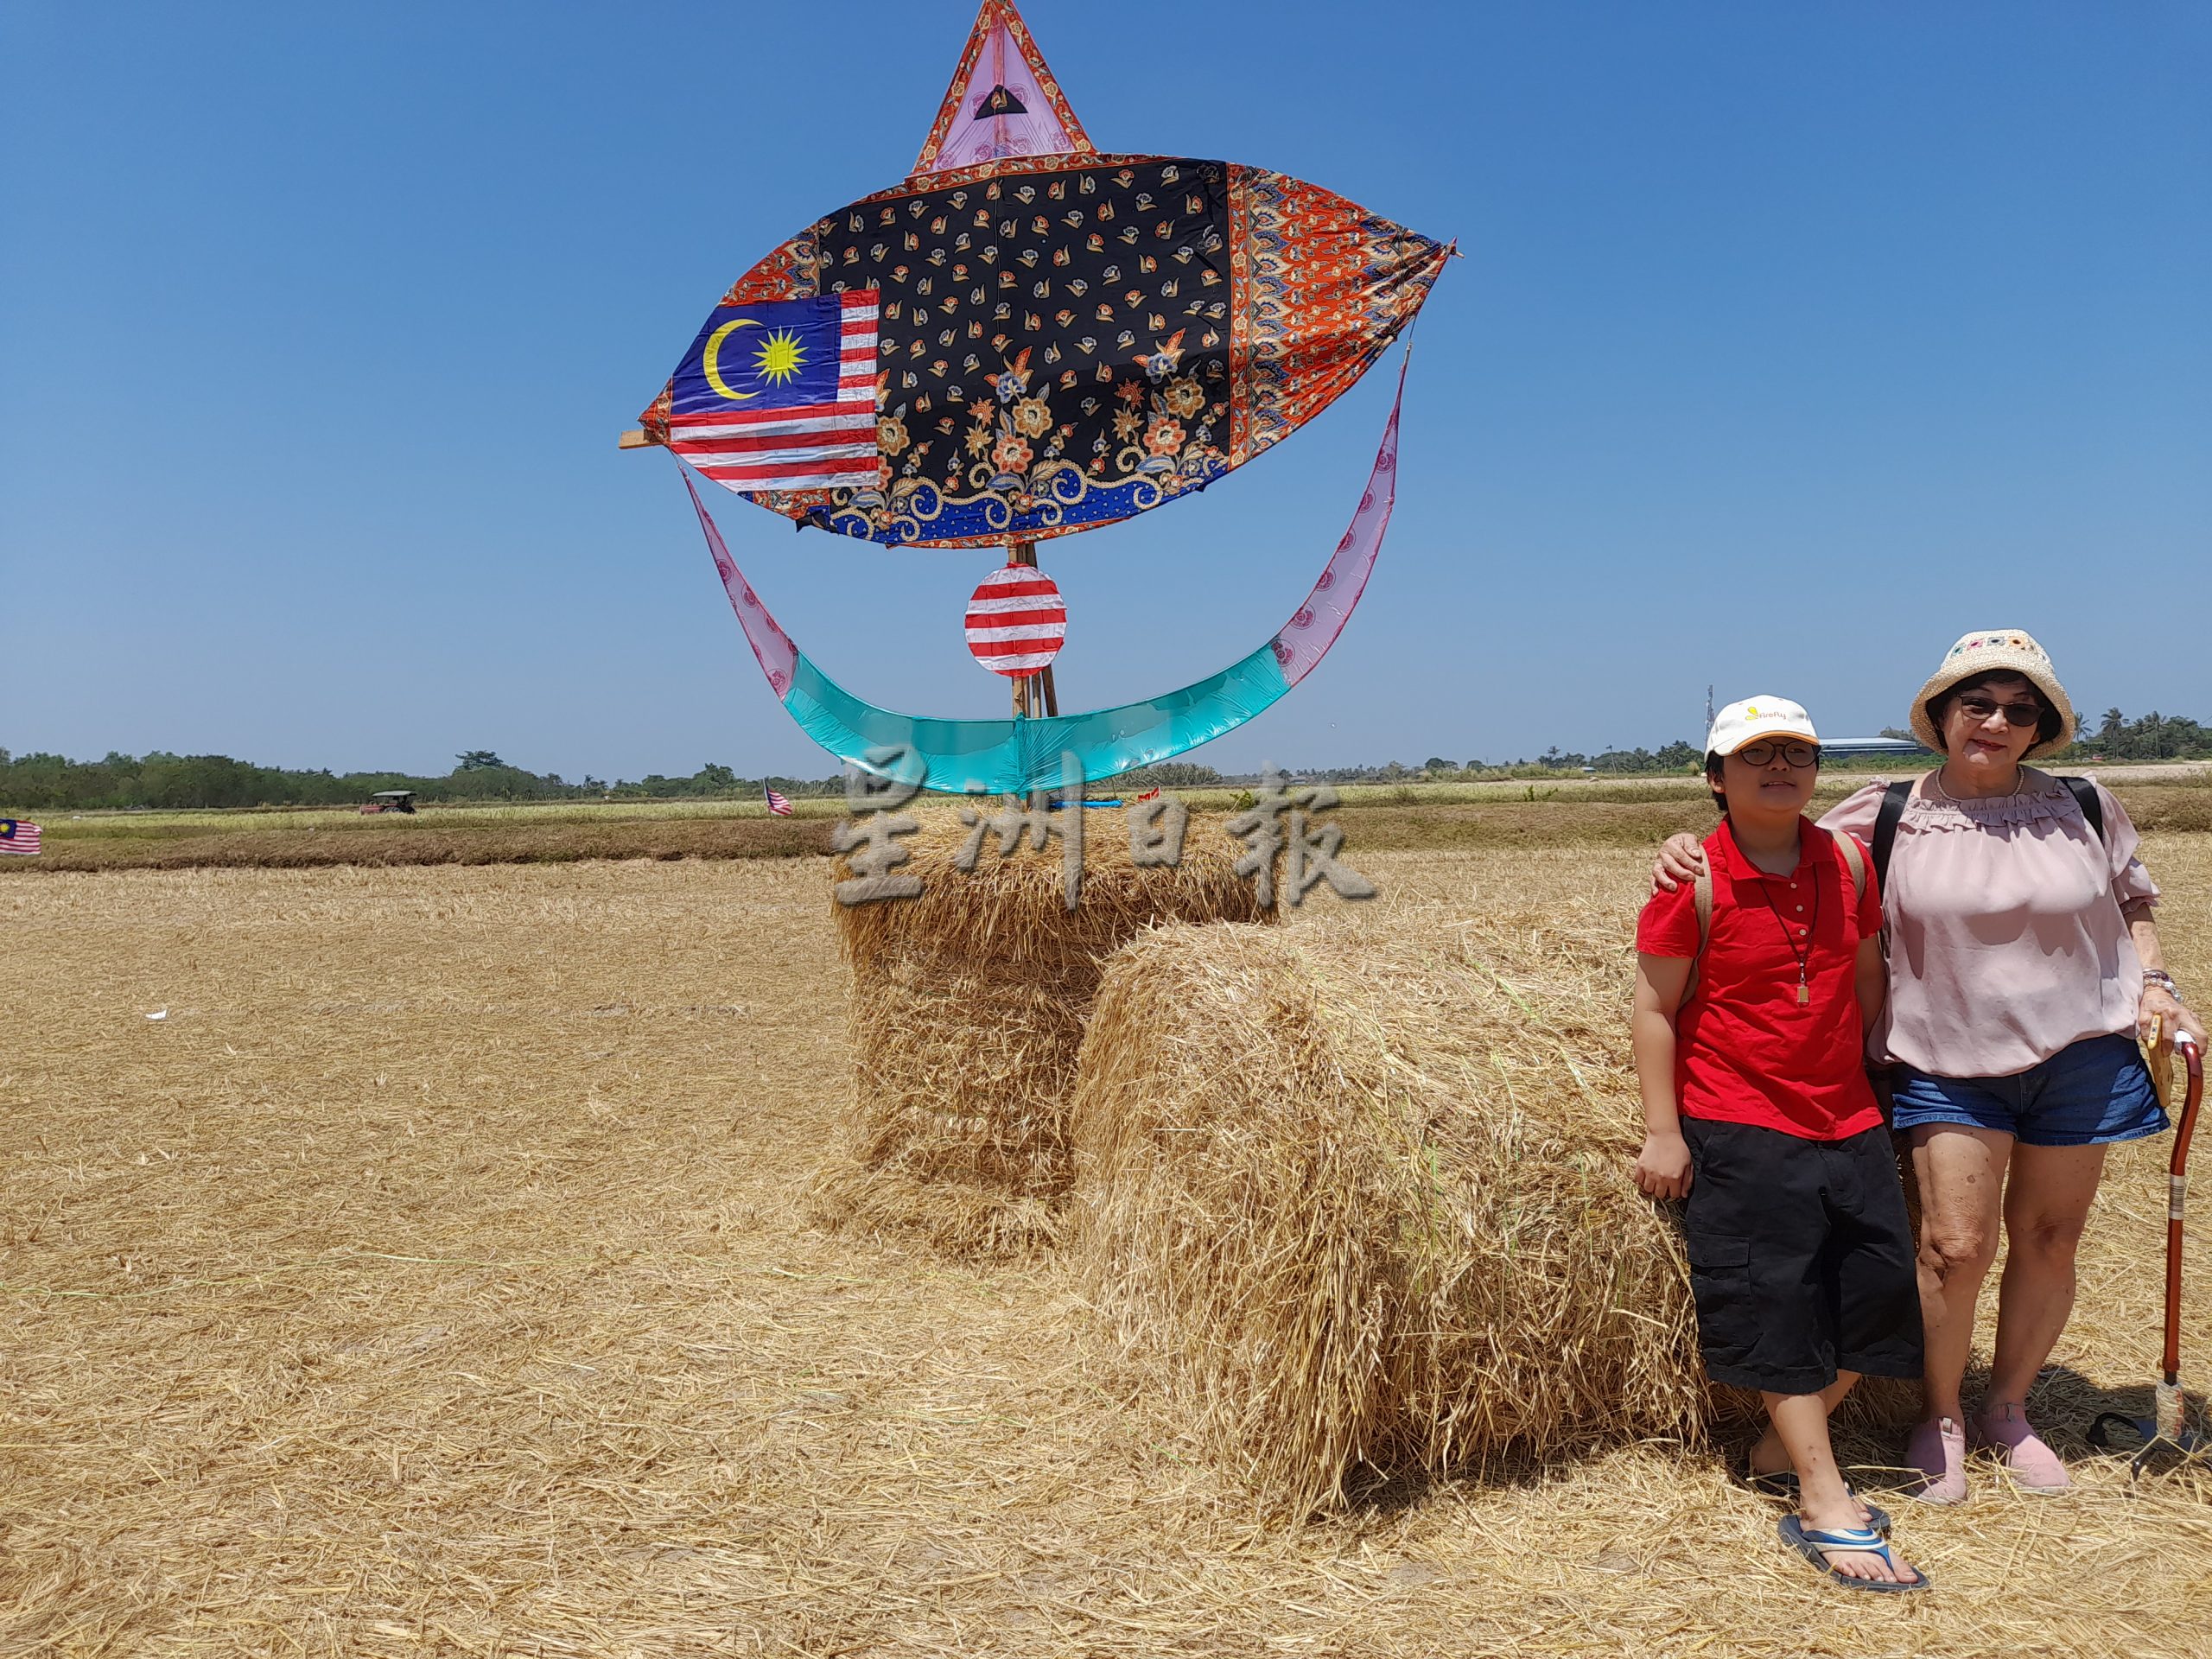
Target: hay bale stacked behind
(1369,1207)
(967,1006)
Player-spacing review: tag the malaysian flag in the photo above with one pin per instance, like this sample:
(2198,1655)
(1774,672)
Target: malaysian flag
(780,395)
(778,804)
(19,836)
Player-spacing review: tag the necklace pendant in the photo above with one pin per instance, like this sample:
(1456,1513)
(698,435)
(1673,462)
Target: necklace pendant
(1804,995)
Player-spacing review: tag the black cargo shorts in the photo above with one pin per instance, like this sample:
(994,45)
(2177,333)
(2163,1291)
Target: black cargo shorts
(1801,1257)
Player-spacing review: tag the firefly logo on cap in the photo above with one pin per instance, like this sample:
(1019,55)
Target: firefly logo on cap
(1767,717)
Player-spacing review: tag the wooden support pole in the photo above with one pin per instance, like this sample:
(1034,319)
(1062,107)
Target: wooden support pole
(1033,694)
(1021,553)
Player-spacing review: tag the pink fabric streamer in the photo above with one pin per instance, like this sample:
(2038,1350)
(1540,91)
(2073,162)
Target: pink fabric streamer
(770,645)
(1306,638)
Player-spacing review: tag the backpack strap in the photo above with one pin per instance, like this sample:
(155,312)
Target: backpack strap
(1701,901)
(1855,861)
(2085,792)
(1885,828)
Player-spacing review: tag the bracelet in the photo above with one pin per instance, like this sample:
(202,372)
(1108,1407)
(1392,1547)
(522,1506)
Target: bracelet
(2164,980)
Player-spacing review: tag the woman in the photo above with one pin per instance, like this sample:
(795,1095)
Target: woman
(2023,965)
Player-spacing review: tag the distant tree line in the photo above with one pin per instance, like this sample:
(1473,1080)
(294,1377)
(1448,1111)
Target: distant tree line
(2149,737)
(161,780)
(1672,757)
(2153,737)
(176,782)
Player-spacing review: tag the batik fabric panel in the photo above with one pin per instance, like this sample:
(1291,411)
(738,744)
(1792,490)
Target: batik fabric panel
(1070,340)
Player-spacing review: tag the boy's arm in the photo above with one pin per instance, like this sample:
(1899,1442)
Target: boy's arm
(1662,1168)
(1872,977)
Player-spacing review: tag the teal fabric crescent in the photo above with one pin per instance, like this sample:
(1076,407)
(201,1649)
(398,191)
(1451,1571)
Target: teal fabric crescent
(1015,756)
(1022,755)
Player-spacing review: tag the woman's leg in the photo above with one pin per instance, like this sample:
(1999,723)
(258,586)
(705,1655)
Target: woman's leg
(2046,1203)
(1960,1171)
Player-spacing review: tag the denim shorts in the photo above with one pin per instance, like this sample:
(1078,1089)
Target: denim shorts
(2089,1094)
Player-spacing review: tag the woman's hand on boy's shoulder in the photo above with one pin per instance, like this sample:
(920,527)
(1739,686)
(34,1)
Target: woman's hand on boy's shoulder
(1681,862)
(1662,1168)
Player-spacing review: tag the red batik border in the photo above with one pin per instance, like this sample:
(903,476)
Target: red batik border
(1318,287)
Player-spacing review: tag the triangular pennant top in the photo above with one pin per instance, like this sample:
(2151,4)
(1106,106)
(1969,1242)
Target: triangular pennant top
(1003,101)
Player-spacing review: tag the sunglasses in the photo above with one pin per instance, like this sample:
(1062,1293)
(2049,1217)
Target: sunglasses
(1979,709)
(1797,752)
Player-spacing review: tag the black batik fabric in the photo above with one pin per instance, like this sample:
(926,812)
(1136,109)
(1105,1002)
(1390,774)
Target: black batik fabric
(1053,348)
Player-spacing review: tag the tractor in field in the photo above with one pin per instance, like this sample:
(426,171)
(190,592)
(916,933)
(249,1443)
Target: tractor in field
(389,800)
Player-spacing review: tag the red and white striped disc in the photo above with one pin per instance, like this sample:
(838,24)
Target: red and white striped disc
(1016,621)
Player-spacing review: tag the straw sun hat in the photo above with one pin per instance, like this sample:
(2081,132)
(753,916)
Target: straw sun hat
(2001,650)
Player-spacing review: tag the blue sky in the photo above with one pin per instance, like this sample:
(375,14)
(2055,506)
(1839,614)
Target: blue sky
(1791,342)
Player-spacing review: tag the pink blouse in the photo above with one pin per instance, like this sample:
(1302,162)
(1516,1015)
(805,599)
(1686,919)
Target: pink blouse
(2003,915)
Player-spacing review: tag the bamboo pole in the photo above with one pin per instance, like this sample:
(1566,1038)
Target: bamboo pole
(1034,693)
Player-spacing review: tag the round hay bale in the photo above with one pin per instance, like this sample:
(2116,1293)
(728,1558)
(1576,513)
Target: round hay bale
(968,1004)
(1369,1208)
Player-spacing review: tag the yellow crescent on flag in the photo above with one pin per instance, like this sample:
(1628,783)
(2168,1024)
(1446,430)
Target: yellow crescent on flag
(710,359)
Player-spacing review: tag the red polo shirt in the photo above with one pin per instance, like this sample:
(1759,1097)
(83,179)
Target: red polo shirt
(1745,1049)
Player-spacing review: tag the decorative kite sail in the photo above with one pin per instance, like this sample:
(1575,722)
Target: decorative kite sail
(1047,340)
(1067,339)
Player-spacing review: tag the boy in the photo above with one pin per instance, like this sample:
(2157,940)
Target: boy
(1757,1112)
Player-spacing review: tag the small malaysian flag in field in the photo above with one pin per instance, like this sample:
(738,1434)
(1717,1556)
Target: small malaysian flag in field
(780,395)
(778,805)
(19,836)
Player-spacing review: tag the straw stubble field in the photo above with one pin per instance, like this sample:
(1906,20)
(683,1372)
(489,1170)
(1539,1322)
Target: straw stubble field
(437,1278)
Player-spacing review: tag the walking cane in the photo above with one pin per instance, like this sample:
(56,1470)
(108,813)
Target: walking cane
(2167,1433)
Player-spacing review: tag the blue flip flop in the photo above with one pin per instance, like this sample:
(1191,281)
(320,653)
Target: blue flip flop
(1816,1546)
(1782,1483)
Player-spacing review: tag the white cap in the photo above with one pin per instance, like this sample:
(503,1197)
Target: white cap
(1756,717)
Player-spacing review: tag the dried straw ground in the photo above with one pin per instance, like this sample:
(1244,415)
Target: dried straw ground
(433,1281)
(968,1006)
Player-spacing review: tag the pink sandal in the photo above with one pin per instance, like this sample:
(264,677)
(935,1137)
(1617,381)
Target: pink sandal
(1938,1450)
(2033,1465)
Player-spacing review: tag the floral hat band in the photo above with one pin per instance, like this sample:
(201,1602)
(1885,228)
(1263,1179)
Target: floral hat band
(1994,651)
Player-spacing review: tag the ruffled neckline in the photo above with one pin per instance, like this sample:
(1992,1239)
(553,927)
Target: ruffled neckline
(2040,798)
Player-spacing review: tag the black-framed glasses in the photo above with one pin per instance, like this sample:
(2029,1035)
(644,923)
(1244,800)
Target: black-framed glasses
(1796,751)
(1979,709)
